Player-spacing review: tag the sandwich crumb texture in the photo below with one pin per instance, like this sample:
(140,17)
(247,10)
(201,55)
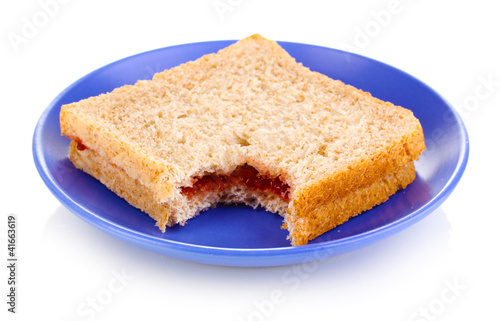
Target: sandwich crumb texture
(334,150)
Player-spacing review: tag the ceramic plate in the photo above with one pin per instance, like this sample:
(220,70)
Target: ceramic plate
(238,235)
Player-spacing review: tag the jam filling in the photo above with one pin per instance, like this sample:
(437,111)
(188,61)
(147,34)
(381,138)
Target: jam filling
(245,175)
(80,146)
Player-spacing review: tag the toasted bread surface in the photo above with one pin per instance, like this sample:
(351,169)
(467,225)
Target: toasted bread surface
(250,103)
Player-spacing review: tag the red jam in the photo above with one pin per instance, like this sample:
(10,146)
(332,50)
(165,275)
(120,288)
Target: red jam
(245,175)
(80,146)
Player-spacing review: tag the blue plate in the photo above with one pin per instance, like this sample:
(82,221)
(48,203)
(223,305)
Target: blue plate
(238,235)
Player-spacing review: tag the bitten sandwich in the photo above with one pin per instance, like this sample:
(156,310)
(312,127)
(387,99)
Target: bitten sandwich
(246,125)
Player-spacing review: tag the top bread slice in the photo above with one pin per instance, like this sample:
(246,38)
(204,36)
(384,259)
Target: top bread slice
(250,104)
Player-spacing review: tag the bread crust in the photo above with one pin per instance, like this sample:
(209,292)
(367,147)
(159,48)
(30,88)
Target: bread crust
(310,217)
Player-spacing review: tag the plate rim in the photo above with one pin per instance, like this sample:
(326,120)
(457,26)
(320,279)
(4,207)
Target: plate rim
(245,256)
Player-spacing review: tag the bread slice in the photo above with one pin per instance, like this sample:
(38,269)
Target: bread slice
(248,124)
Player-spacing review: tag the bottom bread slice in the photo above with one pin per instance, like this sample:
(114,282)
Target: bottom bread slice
(302,227)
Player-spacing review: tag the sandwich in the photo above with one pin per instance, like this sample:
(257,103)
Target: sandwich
(246,125)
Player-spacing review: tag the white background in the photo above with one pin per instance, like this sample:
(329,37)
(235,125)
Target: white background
(443,268)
